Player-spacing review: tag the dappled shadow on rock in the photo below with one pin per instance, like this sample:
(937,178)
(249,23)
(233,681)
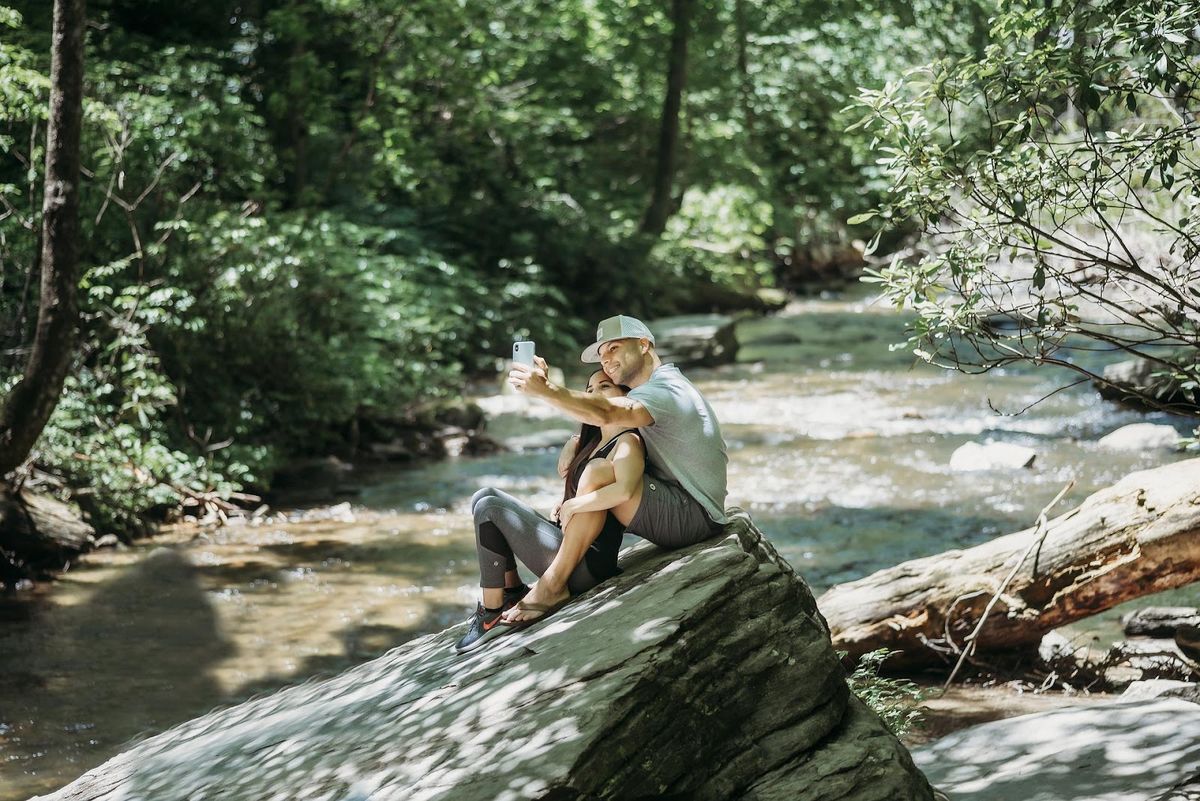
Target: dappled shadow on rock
(705,673)
(1116,751)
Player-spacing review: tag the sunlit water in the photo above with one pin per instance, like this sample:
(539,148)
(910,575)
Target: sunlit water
(839,449)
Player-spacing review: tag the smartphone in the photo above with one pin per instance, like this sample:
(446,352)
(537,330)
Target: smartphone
(523,352)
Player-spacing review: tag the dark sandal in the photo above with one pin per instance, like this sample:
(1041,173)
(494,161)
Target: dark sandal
(544,610)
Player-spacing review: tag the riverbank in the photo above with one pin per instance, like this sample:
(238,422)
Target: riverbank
(839,449)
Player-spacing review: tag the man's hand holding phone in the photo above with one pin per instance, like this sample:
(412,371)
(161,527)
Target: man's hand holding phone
(528,373)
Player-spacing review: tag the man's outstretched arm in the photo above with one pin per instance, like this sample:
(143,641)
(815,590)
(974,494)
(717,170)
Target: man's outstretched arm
(594,409)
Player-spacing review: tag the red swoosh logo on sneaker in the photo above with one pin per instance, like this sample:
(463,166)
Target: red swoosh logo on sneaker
(489,626)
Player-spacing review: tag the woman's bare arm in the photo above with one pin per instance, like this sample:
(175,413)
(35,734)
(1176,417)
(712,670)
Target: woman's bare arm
(569,449)
(629,463)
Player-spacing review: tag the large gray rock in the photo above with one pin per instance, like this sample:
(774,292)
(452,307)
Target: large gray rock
(1115,751)
(1163,688)
(1141,437)
(1159,621)
(1122,379)
(1132,660)
(696,340)
(699,674)
(991,456)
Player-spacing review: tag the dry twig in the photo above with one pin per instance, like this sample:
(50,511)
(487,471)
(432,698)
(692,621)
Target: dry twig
(1039,535)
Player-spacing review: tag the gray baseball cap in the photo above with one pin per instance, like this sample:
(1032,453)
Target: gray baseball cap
(619,327)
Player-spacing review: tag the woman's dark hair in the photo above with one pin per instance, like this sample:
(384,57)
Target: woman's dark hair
(589,438)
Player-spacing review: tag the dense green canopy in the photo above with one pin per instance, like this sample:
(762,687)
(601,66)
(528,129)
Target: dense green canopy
(301,213)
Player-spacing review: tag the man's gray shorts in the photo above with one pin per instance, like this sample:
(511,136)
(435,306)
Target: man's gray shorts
(669,517)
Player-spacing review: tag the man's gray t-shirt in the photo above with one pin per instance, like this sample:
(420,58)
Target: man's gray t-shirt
(685,443)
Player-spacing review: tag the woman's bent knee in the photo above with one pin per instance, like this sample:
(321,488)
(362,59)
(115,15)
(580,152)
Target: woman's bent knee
(486,492)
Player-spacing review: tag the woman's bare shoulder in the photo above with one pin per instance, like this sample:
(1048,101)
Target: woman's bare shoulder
(631,437)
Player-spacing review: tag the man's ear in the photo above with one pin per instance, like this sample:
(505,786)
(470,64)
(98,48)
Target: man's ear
(644,344)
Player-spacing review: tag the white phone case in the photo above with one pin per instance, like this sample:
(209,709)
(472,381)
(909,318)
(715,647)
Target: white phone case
(523,352)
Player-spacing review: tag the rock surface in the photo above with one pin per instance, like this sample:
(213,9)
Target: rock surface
(1163,688)
(698,340)
(699,674)
(1140,375)
(991,456)
(1159,621)
(1141,437)
(1127,661)
(1115,751)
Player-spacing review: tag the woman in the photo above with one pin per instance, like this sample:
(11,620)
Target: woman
(602,467)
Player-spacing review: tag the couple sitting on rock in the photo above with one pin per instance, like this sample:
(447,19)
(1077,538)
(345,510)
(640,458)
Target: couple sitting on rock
(634,407)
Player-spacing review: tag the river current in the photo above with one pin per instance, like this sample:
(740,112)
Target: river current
(839,448)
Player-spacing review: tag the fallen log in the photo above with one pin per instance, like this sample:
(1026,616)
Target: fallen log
(1138,537)
(38,533)
(704,673)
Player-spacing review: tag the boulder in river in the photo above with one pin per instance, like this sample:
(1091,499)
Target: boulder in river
(705,673)
(1123,379)
(991,456)
(1141,437)
(1163,688)
(1133,660)
(1113,751)
(695,340)
(1159,621)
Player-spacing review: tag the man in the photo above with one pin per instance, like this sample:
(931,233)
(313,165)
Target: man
(682,493)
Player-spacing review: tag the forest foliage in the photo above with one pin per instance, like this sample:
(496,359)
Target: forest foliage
(1056,176)
(300,213)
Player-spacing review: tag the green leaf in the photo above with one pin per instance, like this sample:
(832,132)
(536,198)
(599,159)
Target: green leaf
(859,219)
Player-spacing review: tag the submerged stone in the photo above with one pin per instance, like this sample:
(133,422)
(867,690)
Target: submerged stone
(991,456)
(1141,437)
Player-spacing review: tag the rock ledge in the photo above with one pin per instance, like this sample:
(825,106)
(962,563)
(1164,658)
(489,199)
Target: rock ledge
(703,674)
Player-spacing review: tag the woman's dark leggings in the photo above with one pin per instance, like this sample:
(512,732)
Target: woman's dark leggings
(506,530)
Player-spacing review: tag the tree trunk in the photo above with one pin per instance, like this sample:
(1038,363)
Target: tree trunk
(1137,537)
(659,211)
(32,400)
(38,533)
(296,121)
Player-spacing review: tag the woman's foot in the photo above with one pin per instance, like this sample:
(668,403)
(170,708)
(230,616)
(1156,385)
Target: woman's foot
(483,626)
(540,601)
(484,623)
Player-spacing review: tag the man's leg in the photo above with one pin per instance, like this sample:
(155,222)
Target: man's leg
(581,531)
(668,516)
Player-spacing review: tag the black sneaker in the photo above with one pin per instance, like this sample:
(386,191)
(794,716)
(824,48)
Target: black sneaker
(483,626)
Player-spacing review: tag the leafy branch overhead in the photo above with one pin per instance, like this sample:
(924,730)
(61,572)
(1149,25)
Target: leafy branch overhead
(1055,179)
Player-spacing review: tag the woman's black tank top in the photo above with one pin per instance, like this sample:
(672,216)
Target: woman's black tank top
(601,557)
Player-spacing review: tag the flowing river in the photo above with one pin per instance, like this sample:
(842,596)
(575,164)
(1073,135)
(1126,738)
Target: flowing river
(839,448)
